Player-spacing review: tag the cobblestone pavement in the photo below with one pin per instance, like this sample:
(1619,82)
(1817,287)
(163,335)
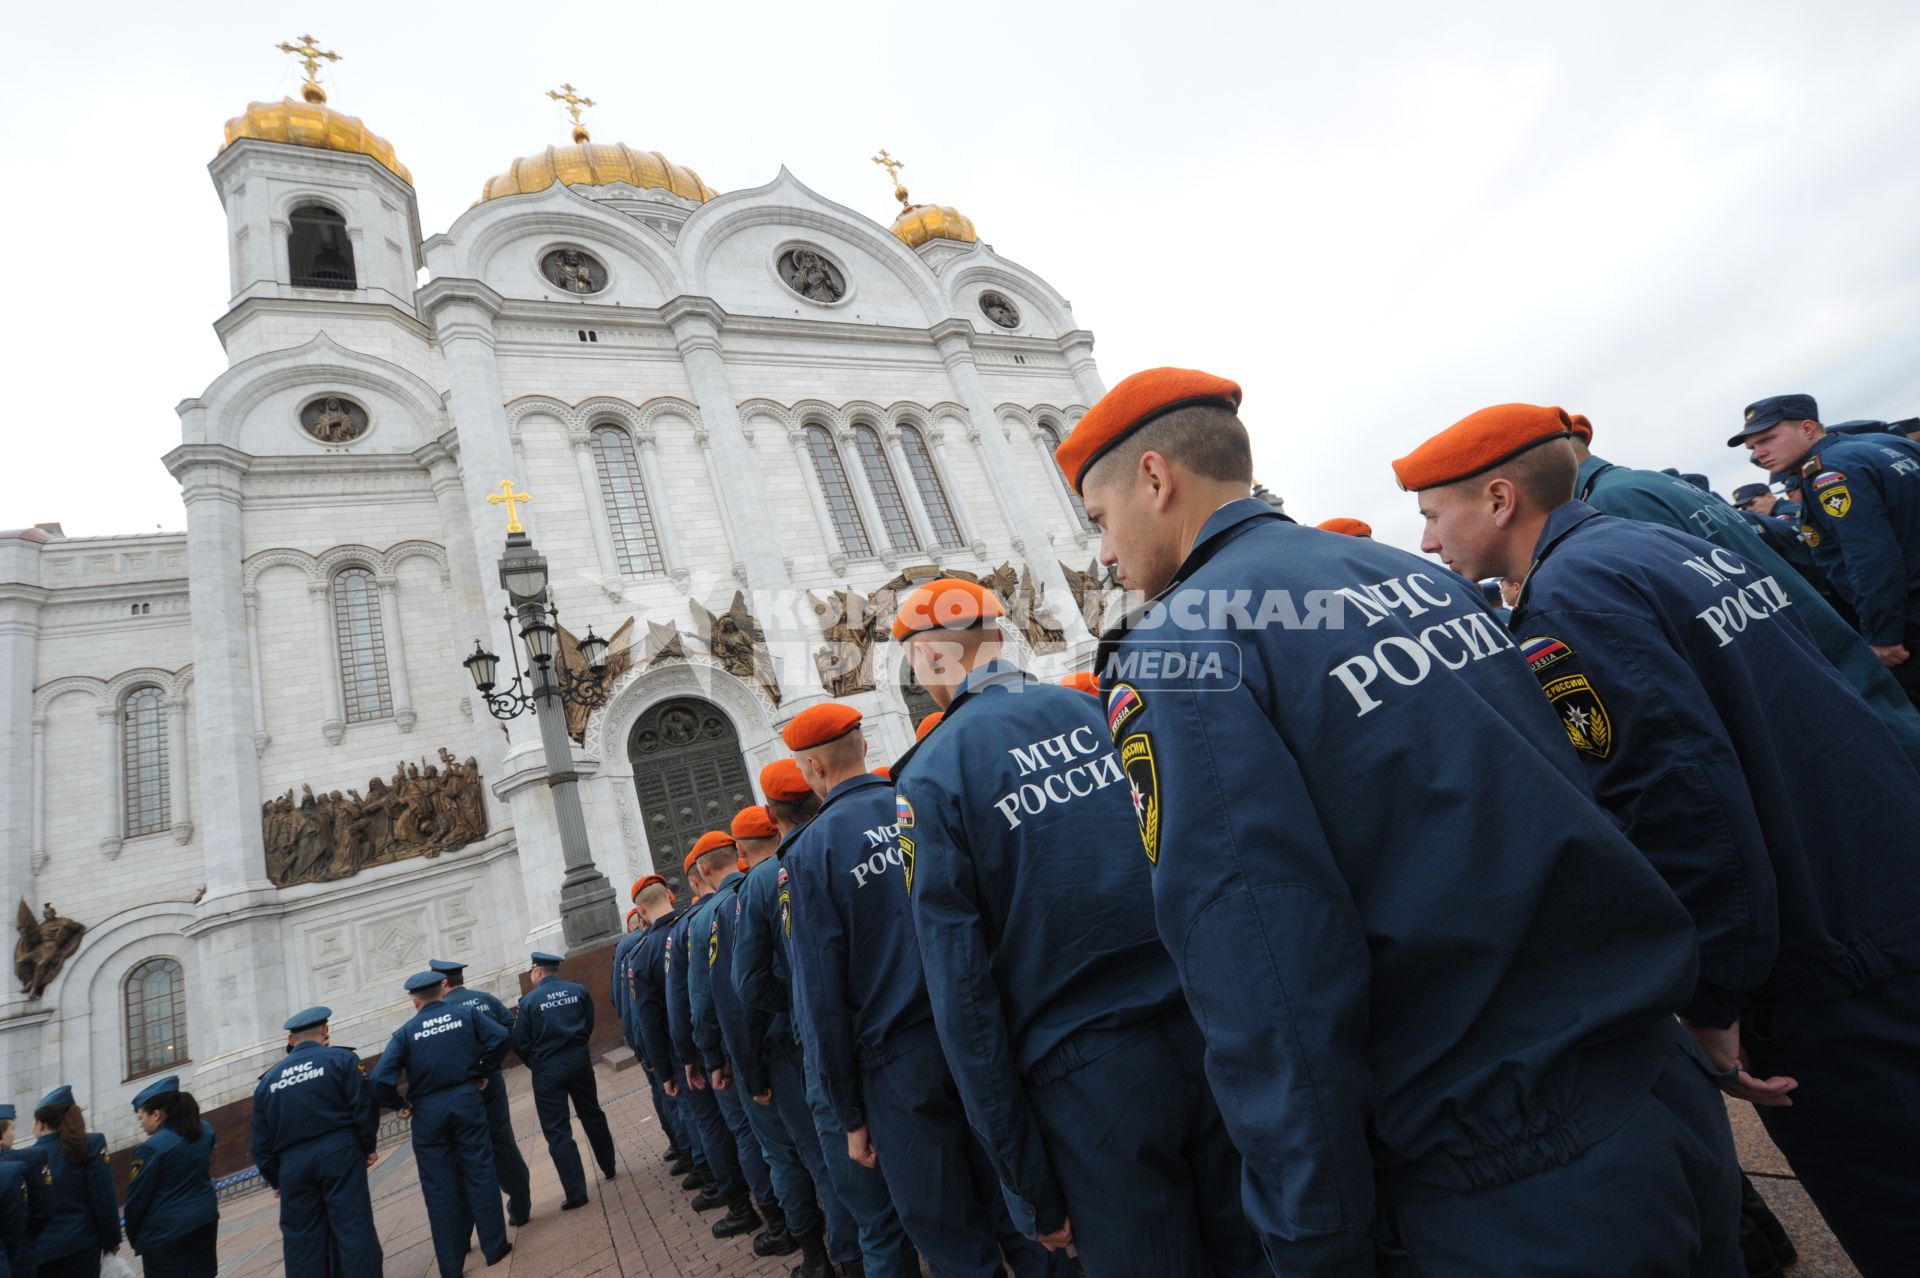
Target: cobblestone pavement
(639,1222)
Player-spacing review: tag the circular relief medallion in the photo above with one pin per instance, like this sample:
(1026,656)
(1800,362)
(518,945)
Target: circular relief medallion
(573,270)
(999,310)
(334,419)
(812,275)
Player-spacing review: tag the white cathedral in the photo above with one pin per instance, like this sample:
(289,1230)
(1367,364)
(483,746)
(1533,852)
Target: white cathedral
(246,759)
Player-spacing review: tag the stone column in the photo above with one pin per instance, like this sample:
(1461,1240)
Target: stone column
(596,505)
(260,735)
(23,734)
(703,439)
(1077,346)
(856,467)
(333,723)
(937,441)
(113,813)
(38,798)
(403,712)
(1056,481)
(910,490)
(178,810)
(657,505)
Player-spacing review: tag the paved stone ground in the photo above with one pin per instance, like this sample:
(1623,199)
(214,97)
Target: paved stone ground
(639,1223)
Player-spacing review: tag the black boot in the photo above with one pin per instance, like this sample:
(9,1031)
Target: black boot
(673,1155)
(775,1240)
(681,1164)
(814,1261)
(710,1199)
(741,1218)
(855,1268)
(1755,1212)
(698,1178)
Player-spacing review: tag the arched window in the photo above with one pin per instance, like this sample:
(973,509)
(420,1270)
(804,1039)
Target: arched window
(362,646)
(622,492)
(156,1016)
(318,249)
(143,762)
(886,492)
(913,445)
(836,491)
(1052,434)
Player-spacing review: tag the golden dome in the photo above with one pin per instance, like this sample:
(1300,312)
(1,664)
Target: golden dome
(313,123)
(919,223)
(597,164)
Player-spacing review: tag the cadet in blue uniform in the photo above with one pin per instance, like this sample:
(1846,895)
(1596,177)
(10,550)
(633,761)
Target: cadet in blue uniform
(38,1182)
(1862,518)
(13,1215)
(864,1015)
(679,1155)
(314,1125)
(86,1221)
(1435,982)
(1691,688)
(172,1219)
(650,1014)
(1054,997)
(447,1052)
(551,1036)
(863,1232)
(509,1168)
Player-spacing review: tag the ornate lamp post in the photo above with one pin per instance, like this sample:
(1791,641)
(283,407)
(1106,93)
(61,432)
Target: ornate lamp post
(589,915)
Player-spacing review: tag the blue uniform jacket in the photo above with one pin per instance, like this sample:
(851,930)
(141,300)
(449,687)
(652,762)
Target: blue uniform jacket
(1862,514)
(312,1091)
(170,1188)
(443,1046)
(84,1214)
(41,1201)
(1416,948)
(556,1022)
(673,969)
(1033,907)
(650,996)
(726,1013)
(852,947)
(703,952)
(620,990)
(467,996)
(1773,802)
(1654,498)
(13,1215)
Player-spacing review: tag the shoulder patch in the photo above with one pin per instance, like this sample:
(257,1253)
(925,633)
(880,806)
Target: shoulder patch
(1542,651)
(133,1169)
(1827,479)
(903,811)
(1836,501)
(713,940)
(1810,535)
(1122,704)
(1582,713)
(905,845)
(1136,760)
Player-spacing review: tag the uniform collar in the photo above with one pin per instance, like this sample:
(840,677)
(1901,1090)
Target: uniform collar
(850,785)
(1220,527)
(428,1007)
(731,880)
(1589,474)
(994,674)
(313,1043)
(1566,517)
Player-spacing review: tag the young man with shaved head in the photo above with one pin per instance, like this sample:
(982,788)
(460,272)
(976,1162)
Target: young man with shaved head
(1438,1028)
(1755,780)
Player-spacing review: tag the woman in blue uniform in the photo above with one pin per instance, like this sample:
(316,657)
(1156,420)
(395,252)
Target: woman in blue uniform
(173,1221)
(85,1223)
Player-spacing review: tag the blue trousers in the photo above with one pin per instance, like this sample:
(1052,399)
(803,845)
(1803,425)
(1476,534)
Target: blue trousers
(1151,1182)
(1659,1198)
(863,1191)
(669,1114)
(556,1083)
(454,1151)
(753,1167)
(508,1167)
(1853,1133)
(944,1189)
(789,1081)
(716,1140)
(325,1207)
(792,1186)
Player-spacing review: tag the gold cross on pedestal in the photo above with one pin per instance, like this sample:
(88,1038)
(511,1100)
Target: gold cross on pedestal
(310,55)
(512,501)
(893,167)
(574,102)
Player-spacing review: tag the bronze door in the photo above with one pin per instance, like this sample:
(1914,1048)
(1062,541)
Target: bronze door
(690,776)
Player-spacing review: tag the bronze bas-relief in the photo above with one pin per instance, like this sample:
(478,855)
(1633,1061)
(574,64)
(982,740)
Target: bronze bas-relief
(419,812)
(44,947)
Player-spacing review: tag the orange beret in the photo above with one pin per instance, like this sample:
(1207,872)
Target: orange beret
(711,841)
(1479,442)
(947,603)
(817,725)
(642,883)
(781,780)
(1132,404)
(928,724)
(1346,527)
(742,865)
(632,914)
(1082,681)
(754,823)
(1581,426)
(885,774)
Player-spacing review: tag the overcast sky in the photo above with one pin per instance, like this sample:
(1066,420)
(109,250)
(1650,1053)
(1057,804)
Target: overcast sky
(1378,218)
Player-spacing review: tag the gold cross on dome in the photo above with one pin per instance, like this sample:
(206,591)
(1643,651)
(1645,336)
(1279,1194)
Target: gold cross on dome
(310,55)
(512,501)
(573,100)
(893,167)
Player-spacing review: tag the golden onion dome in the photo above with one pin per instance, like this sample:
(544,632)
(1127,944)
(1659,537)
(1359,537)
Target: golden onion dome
(920,223)
(313,123)
(587,163)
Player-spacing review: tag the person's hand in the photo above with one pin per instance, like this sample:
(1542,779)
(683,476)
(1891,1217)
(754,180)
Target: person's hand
(1893,654)
(670,1086)
(1723,1049)
(860,1149)
(763,1098)
(406,1112)
(723,1078)
(1060,1239)
(276,1193)
(480,1083)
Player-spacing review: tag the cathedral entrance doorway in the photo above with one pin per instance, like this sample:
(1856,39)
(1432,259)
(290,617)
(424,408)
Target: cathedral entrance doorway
(690,776)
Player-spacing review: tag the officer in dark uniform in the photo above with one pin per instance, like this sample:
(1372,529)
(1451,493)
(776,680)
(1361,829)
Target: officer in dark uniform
(38,1180)
(1689,683)
(556,1022)
(86,1221)
(509,1168)
(865,1019)
(13,1215)
(314,1124)
(447,1052)
(1439,1027)
(1862,513)
(650,1014)
(678,1157)
(172,1217)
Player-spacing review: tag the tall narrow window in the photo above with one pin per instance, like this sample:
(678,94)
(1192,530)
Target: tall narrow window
(318,248)
(362,645)
(143,762)
(836,491)
(629,517)
(156,1016)
(913,445)
(886,492)
(1052,434)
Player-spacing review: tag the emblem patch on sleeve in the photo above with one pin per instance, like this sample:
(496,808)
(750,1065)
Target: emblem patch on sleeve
(1543,651)
(1836,501)
(1827,479)
(1136,760)
(1122,704)
(903,811)
(133,1169)
(1810,535)
(1582,714)
(713,941)
(906,846)
(786,904)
